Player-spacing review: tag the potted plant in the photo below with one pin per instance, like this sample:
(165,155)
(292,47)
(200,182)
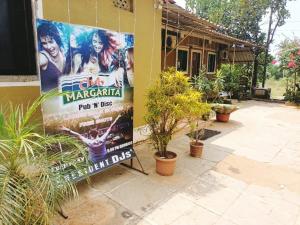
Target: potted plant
(223,111)
(198,117)
(30,190)
(170,100)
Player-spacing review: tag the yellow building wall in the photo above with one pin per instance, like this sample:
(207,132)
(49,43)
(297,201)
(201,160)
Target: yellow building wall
(144,22)
(20,95)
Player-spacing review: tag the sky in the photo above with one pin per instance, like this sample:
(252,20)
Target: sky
(289,30)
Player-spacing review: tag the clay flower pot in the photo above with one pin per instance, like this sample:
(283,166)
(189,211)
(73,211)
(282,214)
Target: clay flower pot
(223,117)
(166,166)
(223,111)
(196,149)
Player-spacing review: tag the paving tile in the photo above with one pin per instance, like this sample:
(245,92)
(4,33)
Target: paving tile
(145,222)
(223,221)
(111,178)
(298,220)
(215,199)
(251,209)
(145,153)
(196,216)
(280,194)
(213,154)
(170,210)
(259,173)
(140,195)
(196,165)
(288,157)
(220,180)
(181,178)
(215,192)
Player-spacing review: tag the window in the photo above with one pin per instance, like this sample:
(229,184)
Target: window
(17,51)
(182,60)
(211,62)
(124,4)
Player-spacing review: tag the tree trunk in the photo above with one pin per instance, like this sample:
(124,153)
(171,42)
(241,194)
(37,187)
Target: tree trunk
(267,48)
(255,71)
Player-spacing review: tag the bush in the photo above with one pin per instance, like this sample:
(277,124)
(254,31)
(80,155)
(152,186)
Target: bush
(170,100)
(210,88)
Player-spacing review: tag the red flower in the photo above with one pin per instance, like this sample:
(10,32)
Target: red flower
(274,61)
(298,53)
(292,64)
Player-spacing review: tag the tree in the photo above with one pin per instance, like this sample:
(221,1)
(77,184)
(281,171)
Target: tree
(290,63)
(218,11)
(277,16)
(241,17)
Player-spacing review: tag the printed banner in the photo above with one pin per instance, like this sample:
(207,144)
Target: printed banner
(94,69)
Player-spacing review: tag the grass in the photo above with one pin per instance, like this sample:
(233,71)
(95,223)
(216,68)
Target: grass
(277,87)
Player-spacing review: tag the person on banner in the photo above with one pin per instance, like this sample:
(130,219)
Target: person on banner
(99,54)
(129,67)
(96,143)
(52,60)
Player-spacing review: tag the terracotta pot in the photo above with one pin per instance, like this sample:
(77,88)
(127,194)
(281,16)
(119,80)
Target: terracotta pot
(223,117)
(166,166)
(196,149)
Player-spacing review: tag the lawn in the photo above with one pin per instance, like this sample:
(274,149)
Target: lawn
(277,86)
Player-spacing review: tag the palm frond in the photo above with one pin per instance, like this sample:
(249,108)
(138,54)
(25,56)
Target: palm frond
(30,189)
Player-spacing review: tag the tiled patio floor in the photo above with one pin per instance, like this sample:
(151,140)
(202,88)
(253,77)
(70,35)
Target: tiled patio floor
(249,175)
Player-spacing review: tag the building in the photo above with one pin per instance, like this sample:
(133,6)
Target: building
(192,43)
(19,81)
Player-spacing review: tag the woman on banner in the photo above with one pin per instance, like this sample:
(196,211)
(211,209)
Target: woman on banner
(99,54)
(129,67)
(52,60)
(96,143)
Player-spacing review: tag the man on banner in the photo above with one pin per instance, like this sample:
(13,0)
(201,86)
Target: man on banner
(96,144)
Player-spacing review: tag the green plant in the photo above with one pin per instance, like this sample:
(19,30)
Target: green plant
(30,189)
(292,91)
(201,112)
(224,108)
(201,83)
(218,84)
(169,100)
(232,78)
(210,88)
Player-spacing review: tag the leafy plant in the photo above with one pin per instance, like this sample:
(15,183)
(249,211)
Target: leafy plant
(203,84)
(292,92)
(232,75)
(30,189)
(169,100)
(218,83)
(199,113)
(210,88)
(290,63)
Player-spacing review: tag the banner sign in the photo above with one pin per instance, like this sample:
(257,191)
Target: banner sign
(93,68)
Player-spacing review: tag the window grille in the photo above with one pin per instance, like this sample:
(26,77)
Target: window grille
(124,4)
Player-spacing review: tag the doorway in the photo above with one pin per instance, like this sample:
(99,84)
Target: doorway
(196,63)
